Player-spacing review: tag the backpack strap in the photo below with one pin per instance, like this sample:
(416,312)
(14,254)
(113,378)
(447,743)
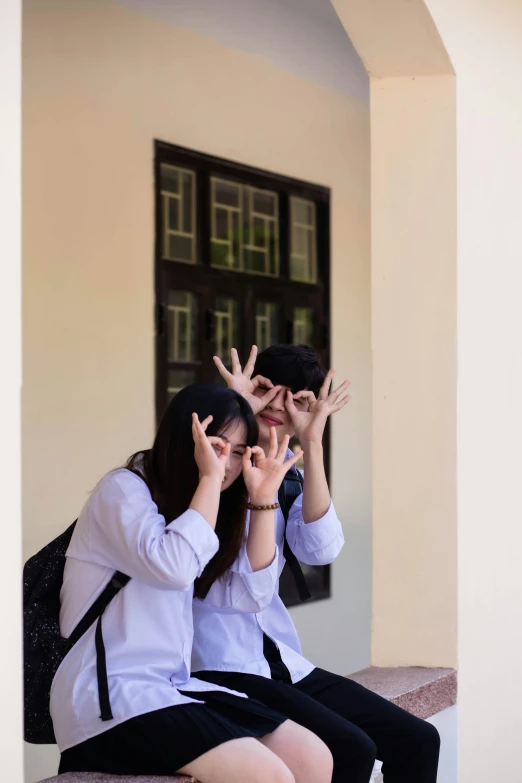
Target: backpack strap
(289,490)
(95,612)
(118,580)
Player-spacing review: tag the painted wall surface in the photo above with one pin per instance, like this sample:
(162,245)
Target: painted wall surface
(101,81)
(484,39)
(482,44)
(414,361)
(11,746)
(304,37)
(414,371)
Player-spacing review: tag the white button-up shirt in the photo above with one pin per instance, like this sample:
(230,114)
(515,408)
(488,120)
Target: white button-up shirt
(147,627)
(229,640)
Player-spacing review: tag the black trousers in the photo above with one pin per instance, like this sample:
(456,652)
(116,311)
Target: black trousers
(357,725)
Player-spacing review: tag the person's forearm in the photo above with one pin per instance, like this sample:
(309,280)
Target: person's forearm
(206,499)
(261,539)
(316,495)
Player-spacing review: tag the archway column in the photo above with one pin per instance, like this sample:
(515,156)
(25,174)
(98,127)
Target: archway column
(414,272)
(11,745)
(447,358)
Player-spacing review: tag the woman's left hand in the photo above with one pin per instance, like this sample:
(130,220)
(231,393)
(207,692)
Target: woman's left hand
(264,477)
(309,423)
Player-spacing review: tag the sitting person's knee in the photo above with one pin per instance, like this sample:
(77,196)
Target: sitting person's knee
(319,758)
(431,736)
(353,750)
(278,772)
(303,751)
(267,766)
(426,739)
(366,749)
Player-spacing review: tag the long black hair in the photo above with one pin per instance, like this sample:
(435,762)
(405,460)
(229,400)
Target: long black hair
(171,473)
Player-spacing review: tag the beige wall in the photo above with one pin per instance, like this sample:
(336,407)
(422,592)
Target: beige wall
(413,202)
(11,747)
(100,83)
(484,40)
(414,618)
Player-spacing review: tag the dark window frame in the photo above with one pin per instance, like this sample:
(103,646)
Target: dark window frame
(207,282)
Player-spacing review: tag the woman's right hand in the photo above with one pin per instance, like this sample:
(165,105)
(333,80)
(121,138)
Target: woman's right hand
(210,453)
(265,475)
(242,382)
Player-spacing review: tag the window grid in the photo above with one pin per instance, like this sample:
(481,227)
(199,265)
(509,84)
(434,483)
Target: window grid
(226,328)
(303,326)
(303,257)
(178,198)
(266,303)
(181,314)
(266,325)
(247,217)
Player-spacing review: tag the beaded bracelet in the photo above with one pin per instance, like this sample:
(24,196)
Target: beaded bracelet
(271,507)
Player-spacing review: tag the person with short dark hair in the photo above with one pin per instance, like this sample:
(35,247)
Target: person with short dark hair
(259,653)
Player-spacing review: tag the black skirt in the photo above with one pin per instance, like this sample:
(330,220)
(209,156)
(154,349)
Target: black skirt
(164,741)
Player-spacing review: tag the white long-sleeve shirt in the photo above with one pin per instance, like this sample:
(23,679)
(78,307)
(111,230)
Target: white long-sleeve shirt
(229,640)
(147,627)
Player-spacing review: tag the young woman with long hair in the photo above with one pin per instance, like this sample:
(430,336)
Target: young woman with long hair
(175,515)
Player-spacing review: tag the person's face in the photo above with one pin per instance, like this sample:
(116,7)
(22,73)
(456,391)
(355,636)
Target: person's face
(276,415)
(235,434)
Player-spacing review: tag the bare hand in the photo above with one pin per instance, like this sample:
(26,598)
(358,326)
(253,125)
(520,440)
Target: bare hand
(243,383)
(209,462)
(309,424)
(265,476)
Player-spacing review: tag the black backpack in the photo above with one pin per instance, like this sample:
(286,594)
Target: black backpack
(289,490)
(44,646)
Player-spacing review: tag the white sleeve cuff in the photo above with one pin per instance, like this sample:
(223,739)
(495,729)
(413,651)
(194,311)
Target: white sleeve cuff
(198,534)
(320,533)
(260,584)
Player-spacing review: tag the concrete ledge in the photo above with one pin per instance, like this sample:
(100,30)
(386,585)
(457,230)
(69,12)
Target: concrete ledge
(423,692)
(100,777)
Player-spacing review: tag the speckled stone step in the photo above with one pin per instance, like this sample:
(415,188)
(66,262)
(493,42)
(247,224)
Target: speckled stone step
(418,690)
(99,777)
(423,692)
